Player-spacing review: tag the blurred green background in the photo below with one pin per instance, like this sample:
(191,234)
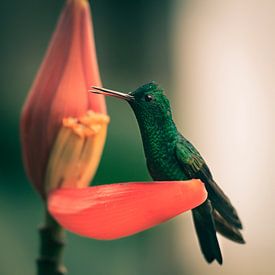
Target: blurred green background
(132,45)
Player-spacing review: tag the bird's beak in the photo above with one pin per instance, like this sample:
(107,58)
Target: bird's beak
(103,91)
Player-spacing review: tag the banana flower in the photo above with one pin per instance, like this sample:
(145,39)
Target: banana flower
(63,131)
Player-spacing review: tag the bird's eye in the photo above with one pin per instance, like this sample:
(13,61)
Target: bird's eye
(148,98)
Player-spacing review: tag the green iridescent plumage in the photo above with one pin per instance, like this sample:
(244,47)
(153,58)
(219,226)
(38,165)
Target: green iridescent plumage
(170,156)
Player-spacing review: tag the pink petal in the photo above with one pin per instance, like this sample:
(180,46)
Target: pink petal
(118,210)
(61,87)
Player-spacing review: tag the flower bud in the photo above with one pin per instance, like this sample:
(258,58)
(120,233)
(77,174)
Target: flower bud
(63,126)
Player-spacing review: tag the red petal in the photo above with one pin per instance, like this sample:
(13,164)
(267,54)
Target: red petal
(118,210)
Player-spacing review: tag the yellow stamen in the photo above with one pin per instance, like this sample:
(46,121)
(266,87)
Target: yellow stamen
(76,152)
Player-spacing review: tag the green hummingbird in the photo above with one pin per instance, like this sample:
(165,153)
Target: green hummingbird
(170,156)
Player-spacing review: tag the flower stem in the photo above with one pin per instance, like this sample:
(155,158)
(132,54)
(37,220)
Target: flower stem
(52,241)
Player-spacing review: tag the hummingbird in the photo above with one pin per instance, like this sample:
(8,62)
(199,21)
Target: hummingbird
(170,156)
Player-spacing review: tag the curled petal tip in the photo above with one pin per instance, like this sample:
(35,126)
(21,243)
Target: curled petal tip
(118,210)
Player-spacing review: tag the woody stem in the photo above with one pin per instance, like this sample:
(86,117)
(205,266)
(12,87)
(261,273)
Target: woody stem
(52,241)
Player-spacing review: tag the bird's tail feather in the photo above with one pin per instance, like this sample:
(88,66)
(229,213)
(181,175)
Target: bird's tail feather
(206,231)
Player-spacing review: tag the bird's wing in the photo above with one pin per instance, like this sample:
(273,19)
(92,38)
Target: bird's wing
(191,161)
(194,166)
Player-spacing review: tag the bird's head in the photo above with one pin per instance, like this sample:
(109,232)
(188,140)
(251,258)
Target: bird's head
(148,102)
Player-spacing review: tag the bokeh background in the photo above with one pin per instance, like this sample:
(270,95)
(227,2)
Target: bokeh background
(216,61)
